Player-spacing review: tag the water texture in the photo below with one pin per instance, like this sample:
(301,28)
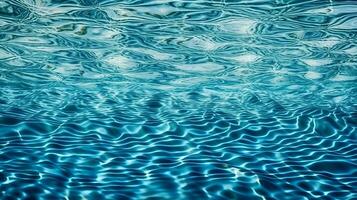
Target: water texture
(167,99)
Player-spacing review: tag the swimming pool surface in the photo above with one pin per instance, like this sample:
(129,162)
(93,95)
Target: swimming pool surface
(178,99)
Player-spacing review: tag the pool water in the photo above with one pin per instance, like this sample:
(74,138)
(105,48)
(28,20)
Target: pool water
(171,99)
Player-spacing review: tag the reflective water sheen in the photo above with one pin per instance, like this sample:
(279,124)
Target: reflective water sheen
(171,99)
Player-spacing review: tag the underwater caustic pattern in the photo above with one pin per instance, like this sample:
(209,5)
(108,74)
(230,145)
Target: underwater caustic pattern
(171,99)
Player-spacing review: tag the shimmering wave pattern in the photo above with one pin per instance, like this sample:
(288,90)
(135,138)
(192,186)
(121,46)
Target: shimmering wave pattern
(108,99)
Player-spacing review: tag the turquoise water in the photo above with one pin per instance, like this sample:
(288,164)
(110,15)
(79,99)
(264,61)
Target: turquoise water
(178,99)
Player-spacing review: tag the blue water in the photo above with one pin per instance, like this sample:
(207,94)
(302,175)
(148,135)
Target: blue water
(168,99)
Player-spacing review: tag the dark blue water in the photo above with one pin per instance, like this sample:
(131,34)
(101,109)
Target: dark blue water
(173,99)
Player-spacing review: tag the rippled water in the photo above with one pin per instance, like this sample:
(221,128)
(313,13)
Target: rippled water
(171,99)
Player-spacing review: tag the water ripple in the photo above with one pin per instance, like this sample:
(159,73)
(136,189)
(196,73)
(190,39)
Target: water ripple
(162,99)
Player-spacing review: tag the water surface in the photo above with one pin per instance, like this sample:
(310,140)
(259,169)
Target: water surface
(173,99)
